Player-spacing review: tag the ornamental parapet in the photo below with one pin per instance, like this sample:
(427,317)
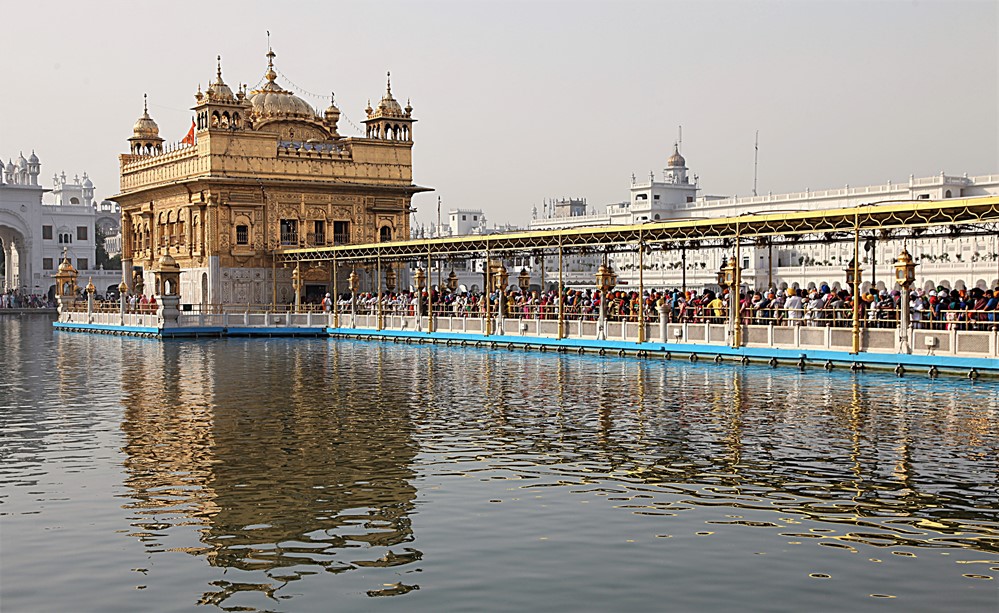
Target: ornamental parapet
(141,171)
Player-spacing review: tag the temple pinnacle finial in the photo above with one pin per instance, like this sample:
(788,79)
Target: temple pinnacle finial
(218,71)
(145,104)
(388,82)
(270,75)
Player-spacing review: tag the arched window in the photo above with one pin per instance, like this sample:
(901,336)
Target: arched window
(74,200)
(385,234)
(947,194)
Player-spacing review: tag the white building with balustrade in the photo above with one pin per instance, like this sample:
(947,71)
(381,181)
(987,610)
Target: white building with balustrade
(952,261)
(35,234)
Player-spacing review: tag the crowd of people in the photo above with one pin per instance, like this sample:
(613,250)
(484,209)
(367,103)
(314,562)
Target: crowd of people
(14,299)
(940,308)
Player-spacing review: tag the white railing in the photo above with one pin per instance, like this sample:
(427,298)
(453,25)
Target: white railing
(674,336)
(956,342)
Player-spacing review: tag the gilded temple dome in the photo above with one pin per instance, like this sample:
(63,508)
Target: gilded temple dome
(388,106)
(144,126)
(676,160)
(219,91)
(167,262)
(65,266)
(271,101)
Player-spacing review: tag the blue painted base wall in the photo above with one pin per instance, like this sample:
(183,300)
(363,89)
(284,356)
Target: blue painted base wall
(811,357)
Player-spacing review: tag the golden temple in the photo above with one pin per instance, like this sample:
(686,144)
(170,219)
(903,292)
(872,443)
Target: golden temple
(261,171)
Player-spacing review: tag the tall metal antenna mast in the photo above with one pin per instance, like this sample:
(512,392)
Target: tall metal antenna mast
(756,160)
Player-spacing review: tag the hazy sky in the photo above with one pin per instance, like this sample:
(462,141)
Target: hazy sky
(522,101)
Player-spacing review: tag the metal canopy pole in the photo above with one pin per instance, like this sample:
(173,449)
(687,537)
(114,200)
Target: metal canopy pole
(485,291)
(378,281)
(542,271)
(430,292)
(561,293)
(336,296)
(297,285)
(736,304)
(641,289)
(855,349)
(683,266)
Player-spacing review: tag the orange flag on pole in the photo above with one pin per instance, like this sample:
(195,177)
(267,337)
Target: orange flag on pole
(189,139)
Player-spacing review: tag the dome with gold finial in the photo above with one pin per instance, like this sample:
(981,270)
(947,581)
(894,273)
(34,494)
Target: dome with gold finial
(273,102)
(388,106)
(167,263)
(676,160)
(332,112)
(219,91)
(144,126)
(66,267)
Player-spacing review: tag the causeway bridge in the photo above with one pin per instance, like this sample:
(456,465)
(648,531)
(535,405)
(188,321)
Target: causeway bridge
(839,338)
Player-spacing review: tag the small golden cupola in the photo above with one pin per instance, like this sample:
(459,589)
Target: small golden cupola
(389,121)
(676,160)
(676,167)
(218,108)
(332,116)
(145,138)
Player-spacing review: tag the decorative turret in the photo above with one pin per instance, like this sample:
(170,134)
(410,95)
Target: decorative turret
(23,171)
(332,116)
(218,108)
(66,278)
(88,190)
(219,91)
(389,121)
(34,168)
(676,167)
(145,133)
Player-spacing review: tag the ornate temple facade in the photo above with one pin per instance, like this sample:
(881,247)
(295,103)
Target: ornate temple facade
(262,171)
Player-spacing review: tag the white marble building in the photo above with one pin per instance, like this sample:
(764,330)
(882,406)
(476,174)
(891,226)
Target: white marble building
(952,261)
(35,234)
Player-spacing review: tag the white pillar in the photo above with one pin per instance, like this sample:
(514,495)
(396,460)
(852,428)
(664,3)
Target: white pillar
(602,318)
(500,313)
(8,264)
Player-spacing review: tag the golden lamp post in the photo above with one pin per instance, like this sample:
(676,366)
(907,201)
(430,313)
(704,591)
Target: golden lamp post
(123,298)
(728,277)
(606,280)
(853,282)
(501,278)
(419,279)
(354,281)
(390,278)
(905,275)
(524,280)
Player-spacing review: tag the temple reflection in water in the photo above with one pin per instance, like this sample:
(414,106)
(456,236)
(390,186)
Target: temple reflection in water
(298,456)
(287,469)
